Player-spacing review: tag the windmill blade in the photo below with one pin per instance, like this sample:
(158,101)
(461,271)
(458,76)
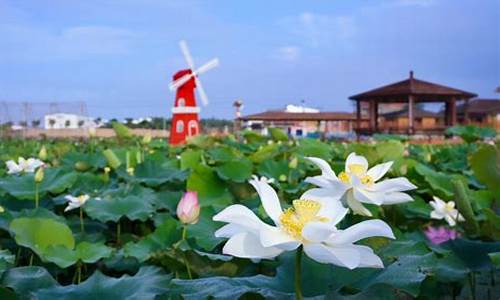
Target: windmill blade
(179,82)
(209,65)
(187,55)
(201,91)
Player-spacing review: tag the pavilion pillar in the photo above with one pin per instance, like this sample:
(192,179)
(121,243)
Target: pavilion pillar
(446,114)
(373,121)
(358,119)
(466,112)
(375,114)
(411,128)
(453,112)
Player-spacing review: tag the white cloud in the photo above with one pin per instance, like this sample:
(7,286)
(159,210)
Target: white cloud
(424,3)
(318,29)
(288,53)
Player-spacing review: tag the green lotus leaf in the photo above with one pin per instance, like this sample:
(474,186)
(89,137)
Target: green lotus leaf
(40,233)
(273,169)
(203,231)
(406,273)
(277,134)
(153,174)
(236,170)
(135,203)
(92,160)
(485,164)
(163,237)
(228,288)
(84,251)
(56,181)
(223,154)
(438,181)
(190,158)
(6,260)
(315,148)
(36,283)
(211,189)
(265,152)
(25,280)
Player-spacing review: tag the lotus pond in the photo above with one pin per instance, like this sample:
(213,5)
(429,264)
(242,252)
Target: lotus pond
(101,219)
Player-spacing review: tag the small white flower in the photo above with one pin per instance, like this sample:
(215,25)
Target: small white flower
(310,222)
(445,210)
(23,165)
(357,184)
(76,202)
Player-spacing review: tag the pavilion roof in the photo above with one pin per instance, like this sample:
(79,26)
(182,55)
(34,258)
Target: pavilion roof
(289,116)
(412,86)
(481,106)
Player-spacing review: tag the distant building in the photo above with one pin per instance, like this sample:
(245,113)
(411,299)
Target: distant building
(395,120)
(409,92)
(68,121)
(299,121)
(480,112)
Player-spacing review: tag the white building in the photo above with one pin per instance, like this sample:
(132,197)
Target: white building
(71,121)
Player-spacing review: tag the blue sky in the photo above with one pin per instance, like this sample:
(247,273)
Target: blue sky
(119,55)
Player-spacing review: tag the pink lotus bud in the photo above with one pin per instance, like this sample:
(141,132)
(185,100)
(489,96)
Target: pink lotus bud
(188,209)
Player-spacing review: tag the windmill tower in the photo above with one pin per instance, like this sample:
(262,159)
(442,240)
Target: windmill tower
(185,120)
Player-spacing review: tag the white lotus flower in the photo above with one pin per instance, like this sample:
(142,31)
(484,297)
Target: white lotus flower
(445,210)
(310,222)
(23,165)
(357,184)
(76,202)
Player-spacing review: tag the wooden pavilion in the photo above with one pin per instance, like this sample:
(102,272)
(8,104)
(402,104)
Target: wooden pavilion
(410,92)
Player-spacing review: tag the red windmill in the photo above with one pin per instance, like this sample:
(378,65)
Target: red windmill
(185,121)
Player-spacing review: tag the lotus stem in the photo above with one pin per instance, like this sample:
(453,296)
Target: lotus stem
(37,196)
(79,272)
(82,226)
(186,262)
(298,269)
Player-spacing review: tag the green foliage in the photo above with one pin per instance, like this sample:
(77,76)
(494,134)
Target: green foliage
(39,233)
(130,220)
(471,133)
(485,164)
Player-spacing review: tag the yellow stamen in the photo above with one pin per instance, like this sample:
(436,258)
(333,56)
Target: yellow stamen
(294,218)
(367,180)
(356,169)
(344,177)
(450,206)
(82,199)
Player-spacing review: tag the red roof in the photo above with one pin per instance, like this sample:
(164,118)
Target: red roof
(289,116)
(413,86)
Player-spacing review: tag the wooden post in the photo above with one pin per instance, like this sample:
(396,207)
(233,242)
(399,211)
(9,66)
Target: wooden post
(358,119)
(373,122)
(453,112)
(466,112)
(411,128)
(446,114)
(375,114)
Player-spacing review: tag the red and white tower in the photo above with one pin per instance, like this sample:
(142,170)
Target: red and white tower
(185,120)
